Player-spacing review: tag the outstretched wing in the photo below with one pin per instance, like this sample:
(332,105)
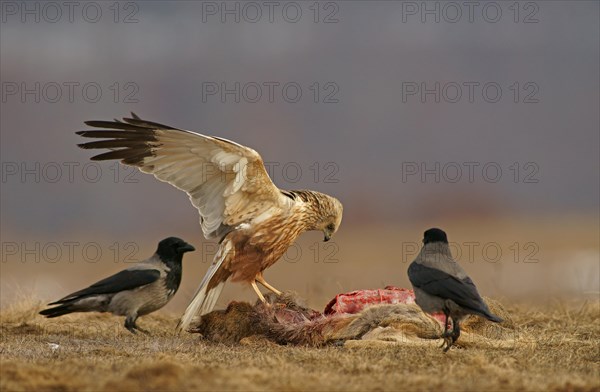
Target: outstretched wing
(125,280)
(226,182)
(444,285)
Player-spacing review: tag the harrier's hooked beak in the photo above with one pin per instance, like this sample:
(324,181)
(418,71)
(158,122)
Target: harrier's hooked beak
(328,232)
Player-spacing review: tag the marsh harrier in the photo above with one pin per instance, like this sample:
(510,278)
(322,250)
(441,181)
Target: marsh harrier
(254,221)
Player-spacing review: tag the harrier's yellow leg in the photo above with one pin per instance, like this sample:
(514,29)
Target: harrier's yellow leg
(259,278)
(262,298)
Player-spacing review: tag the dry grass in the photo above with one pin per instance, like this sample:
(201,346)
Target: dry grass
(557,345)
(94,352)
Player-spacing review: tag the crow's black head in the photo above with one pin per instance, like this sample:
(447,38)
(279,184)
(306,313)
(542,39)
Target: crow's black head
(173,248)
(434,235)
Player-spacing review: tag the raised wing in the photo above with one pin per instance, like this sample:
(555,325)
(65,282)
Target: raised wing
(121,281)
(225,181)
(444,285)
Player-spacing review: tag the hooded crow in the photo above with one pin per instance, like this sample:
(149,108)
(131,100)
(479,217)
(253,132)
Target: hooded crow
(133,292)
(441,285)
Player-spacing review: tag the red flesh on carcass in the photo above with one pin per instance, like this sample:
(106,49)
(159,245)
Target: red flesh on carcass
(356,301)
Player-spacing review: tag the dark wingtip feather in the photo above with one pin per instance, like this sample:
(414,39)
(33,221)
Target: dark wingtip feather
(116,125)
(133,155)
(141,135)
(131,139)
(135,120)
(131,143)
(135,123)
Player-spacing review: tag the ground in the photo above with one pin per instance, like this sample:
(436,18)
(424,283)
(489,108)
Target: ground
(94,352)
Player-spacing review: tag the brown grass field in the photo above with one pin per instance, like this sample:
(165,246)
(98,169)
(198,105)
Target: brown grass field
(94,352)
(553,304)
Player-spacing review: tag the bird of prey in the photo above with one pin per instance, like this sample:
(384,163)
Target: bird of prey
(136,291)
(441,285)
(254,221)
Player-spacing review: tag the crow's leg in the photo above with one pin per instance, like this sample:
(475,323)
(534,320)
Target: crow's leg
(446,325)
(132,326)
(453,335)
(448,341)
(446,335)
(142,330)
(456,331)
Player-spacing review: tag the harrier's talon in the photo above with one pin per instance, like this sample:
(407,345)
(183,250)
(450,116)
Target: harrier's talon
(260,279)
(260,295)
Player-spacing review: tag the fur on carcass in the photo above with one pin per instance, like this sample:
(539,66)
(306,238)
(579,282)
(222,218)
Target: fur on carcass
(284,320)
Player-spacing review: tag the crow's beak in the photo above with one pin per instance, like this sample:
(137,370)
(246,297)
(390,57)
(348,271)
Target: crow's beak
(187,248)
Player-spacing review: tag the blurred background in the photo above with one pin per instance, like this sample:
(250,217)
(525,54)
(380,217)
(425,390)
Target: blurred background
(482,120)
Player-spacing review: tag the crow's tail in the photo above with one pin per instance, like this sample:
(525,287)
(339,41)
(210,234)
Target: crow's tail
(58,311)
(494,318)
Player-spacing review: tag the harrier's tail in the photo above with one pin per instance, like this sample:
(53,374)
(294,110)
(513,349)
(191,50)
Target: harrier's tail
(205,298)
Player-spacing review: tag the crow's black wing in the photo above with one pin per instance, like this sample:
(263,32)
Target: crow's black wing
(444,285)
(124,280)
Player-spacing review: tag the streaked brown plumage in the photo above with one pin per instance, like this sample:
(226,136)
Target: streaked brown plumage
(254,221)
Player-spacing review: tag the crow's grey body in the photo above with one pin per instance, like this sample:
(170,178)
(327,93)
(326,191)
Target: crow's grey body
(133,292)
(441,285)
